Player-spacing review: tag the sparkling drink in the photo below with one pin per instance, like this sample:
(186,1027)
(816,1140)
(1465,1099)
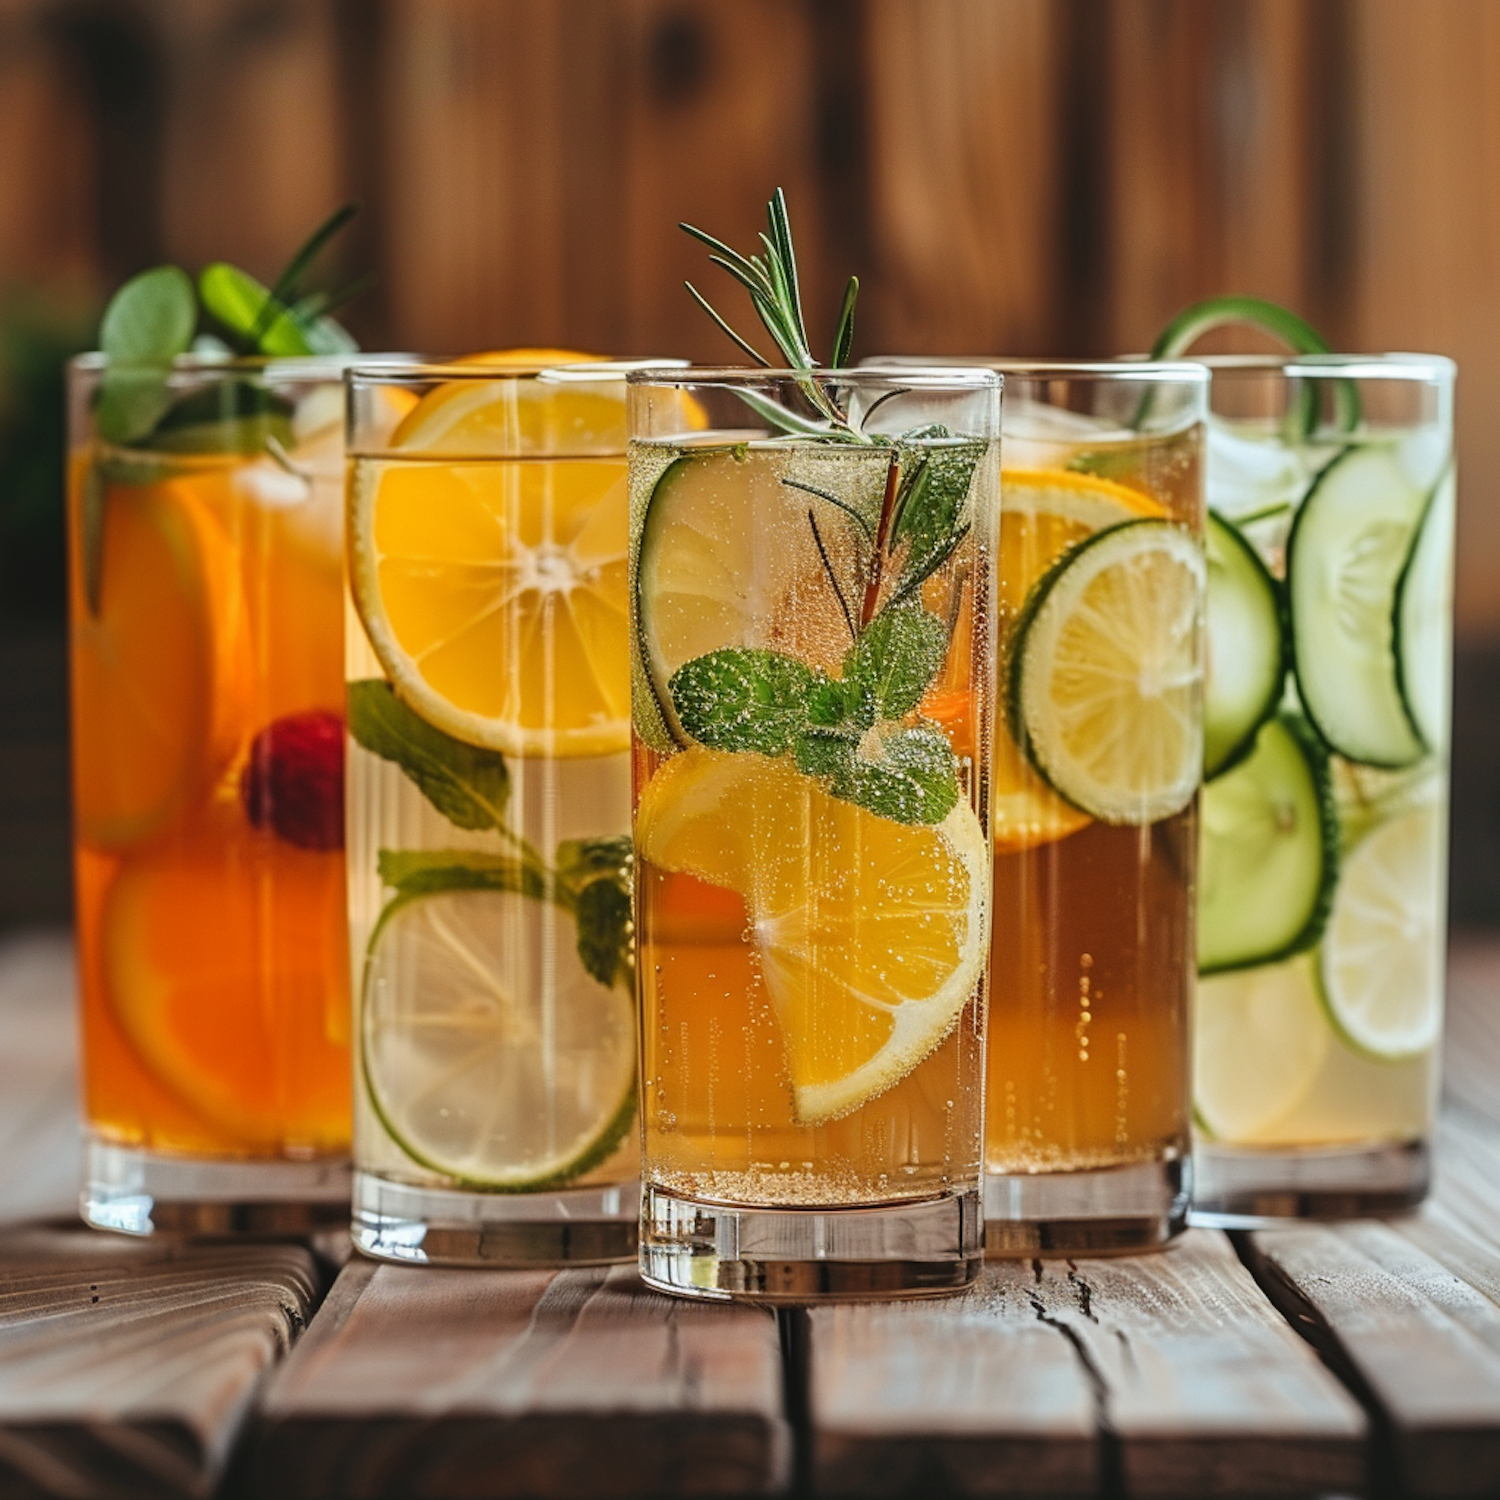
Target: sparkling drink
(1322,919)
(811,621)
(489,796)
(205,605)
(1094,807)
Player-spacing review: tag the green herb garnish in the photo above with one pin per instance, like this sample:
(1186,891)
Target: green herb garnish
(470,786)
(860,732)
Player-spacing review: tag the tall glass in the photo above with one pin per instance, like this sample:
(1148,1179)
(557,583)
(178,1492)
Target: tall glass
(1094,805)
(206,581)
(1323,908)
(811,566)
(489,815)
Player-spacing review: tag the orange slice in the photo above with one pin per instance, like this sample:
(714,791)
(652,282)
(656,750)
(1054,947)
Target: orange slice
(493,591)
(161,673)
(870,933)
(225,965)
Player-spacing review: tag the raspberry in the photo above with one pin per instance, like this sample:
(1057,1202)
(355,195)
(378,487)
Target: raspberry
(293,782)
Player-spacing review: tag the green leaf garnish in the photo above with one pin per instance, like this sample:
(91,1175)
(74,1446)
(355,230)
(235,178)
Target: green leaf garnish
(915,781)
(742,698)
(469,785)
(412,872)
(602,912)
(889,667)
(932,513)
(150,320)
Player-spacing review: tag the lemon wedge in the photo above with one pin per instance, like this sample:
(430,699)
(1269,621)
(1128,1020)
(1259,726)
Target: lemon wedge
(870,934)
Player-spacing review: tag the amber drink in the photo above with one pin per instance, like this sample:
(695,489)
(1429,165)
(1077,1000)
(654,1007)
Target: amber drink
(811,567)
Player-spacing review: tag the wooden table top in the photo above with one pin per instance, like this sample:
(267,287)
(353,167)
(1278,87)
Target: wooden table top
(1362,1358)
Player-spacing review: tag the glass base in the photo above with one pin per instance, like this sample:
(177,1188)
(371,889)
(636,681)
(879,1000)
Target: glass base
(1105,1211)
(723,1252)
(132,1191)
(1241,1188)
(421,1226)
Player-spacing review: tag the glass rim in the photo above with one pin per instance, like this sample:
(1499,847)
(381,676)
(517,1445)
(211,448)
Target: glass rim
(950,377)
(329,367)
(1396,365)
(1167,371)
(404,368)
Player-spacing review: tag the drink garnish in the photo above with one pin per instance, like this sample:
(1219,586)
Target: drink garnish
(861,731)
(293,780)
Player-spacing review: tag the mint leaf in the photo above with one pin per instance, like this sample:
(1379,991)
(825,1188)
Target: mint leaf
(602,912)
(581,860)
(742,698)
(915,782)
(933,511)
(470,786)
(412,872)
(827,753)
(150,320)
(896,656)
(147,324)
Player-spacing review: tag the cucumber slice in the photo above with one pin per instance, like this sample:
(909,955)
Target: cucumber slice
(1424,610)
(1269,851)
(1345,557)
(1246,656)
(1107,671)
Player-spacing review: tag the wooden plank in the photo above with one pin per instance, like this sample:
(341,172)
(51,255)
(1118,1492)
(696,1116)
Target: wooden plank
(1419,1339)
(964,186)
(128,1369)
(430,1384)
(1192,1382)
(39,1154)
(977,1395)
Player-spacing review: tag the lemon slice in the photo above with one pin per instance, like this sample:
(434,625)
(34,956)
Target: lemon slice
(1043,513)
(1381,964)
(1106,673)
(870,934)
(494,591)
(1259,1042)
(476,1068)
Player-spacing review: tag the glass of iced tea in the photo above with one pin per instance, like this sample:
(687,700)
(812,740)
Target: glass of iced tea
(206,589)
(811,580)
(1094,806)
(1323,914)
(488,664)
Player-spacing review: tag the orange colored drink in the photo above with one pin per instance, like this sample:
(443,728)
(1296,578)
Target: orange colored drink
(206,616)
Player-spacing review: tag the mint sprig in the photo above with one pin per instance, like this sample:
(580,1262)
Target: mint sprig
(849,732)
(469,785)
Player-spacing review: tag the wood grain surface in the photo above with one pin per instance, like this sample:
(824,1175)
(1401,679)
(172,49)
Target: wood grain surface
(128,1369)
(432,1384)
(1169,1374)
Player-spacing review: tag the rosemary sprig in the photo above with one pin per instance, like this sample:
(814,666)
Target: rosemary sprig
(776,295)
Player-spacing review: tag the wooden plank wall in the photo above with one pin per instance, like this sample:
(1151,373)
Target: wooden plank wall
(1031,176)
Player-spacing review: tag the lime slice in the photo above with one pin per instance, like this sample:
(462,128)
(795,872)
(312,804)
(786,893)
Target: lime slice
(1381,963)
(1259,1041)
(1107,673)
(717,551)
(489,1053)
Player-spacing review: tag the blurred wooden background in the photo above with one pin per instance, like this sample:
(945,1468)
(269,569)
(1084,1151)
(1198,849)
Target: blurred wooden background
(1018,176)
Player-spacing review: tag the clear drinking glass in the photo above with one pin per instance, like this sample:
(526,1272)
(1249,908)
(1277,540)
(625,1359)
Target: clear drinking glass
(489,815)
(1093,810)
(1323,899)
(812,567)
(206,580)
